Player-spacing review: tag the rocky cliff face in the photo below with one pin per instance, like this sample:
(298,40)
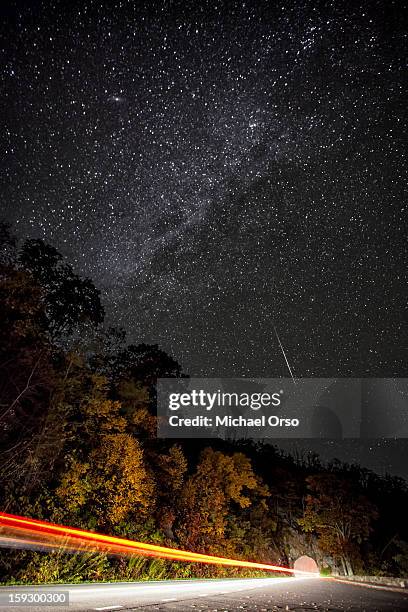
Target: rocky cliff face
(297,544)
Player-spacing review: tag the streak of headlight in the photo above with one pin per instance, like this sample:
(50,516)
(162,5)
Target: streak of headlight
(26,544)
(116,545)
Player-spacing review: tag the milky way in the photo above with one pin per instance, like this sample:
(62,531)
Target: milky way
(218,169)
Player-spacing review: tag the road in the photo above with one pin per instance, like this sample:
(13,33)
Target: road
(262,595)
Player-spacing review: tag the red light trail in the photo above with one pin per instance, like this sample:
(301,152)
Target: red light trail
(72,539)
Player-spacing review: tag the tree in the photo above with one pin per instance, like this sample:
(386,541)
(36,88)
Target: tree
(27,373)
(40,299)
(339,515)
(141,366)
(220,484)
(134,398)
(145,363)
(169,469)
(69,300)
(112,485)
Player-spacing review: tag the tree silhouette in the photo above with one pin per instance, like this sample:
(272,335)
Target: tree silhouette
(69,300)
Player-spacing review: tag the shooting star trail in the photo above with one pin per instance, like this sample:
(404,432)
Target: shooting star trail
(284,354)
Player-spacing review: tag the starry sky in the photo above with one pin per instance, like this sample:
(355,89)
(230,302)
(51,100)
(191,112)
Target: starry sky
(218,169)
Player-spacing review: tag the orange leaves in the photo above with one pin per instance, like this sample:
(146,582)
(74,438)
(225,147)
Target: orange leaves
(114,482)
(104,415)
(172,468)
(75,486)
(208,496)
(122,478)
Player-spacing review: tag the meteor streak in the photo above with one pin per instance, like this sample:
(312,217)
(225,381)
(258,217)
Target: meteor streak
(284,354)
(70,538)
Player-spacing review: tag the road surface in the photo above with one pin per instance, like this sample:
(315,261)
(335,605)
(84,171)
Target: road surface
(261,595)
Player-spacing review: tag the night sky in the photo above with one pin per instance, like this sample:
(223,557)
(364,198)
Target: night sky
(218,169)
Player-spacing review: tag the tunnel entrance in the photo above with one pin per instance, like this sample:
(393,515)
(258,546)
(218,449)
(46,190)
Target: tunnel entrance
(305,564)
